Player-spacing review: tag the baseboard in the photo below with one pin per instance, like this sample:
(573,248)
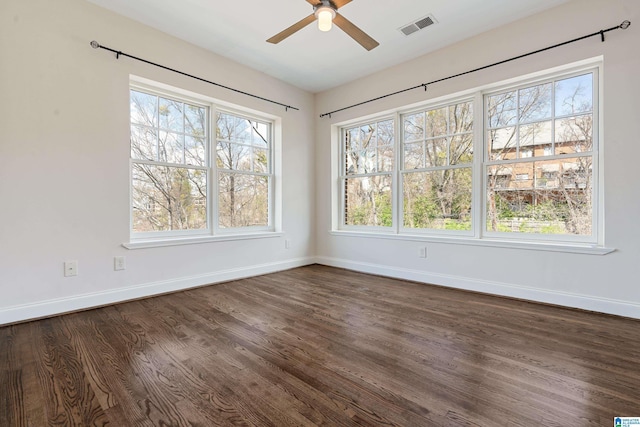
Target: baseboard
(21,313)
(566,299)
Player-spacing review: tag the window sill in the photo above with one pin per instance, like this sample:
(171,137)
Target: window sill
(575,248)
(158,243)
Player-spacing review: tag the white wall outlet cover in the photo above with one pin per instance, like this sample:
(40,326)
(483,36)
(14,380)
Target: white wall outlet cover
(70,268)
(119,263)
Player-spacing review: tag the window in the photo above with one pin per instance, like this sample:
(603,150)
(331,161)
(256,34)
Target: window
(169,164)
(515,163)
(244,171)
(437,168)
(367,155)
(176,188)
(553,189)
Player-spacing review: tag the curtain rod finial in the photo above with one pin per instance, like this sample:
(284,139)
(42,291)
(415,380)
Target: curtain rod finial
(625,24)
(94,44)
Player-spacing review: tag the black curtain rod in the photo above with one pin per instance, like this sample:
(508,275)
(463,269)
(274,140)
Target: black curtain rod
(624,25)
(96,45)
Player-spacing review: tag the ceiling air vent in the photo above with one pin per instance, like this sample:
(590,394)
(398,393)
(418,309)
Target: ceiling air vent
(418,25)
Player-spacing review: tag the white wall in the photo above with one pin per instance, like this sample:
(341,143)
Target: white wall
(64,168)
(608,283)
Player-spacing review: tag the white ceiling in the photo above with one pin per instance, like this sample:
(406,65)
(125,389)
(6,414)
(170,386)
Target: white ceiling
(310,59)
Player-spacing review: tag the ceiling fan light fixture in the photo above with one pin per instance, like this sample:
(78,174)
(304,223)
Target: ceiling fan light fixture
(325,15)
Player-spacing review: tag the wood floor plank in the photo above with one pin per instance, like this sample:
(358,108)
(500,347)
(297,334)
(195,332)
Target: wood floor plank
(319,346)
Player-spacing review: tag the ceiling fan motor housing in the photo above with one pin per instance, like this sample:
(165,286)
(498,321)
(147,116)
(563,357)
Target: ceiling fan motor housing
(325,5)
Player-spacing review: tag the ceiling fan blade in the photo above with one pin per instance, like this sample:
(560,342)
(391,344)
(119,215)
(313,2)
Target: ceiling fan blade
(292,29)
(340,3)
(354,32)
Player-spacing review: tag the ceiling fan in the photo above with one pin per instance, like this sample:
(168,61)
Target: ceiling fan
(326,12)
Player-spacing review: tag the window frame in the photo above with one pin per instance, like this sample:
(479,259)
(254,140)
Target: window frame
(444,103)
(212,231)
(343,175)
(592,244)
(270,175)
(595,238)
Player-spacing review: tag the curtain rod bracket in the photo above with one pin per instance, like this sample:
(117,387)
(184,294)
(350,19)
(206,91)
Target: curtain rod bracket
(602,35)
(425,86)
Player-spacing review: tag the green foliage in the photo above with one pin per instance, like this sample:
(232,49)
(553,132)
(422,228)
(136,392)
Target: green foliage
(385,212)
(451,224)
(364,213)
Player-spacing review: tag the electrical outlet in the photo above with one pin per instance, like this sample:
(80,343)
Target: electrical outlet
(70,268)
(422,252)
(119,263)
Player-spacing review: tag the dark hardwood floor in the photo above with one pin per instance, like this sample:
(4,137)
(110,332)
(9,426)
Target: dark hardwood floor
(321,346)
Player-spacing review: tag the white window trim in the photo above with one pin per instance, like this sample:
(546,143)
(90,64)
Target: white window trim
(559,243)
(213,233)
(179,241)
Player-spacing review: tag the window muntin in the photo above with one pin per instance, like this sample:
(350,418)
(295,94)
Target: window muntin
(178,186)
(243,160)
(367,153)
(169,167)
(549,127)
(437,188)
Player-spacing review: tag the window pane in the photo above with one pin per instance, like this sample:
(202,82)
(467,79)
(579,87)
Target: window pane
(461,149)
(386,133)
(144,143)
(195,151)
(367,136)
(368,201)
(414,156)
(385,158)
(170,147)
(503,110)
(260,160)
(548,197)
(436,152)
(436,122)
(535,103)
(168,198)
(533,137)
(352,150)
(461,118)
(144,108)
(243,200)
(233,128)
(195,120)
(574,134)
(438,200)
(369,160)
(574,95)
(502,143)
(171,115)
(233,156)
(414,127)
(260,134)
